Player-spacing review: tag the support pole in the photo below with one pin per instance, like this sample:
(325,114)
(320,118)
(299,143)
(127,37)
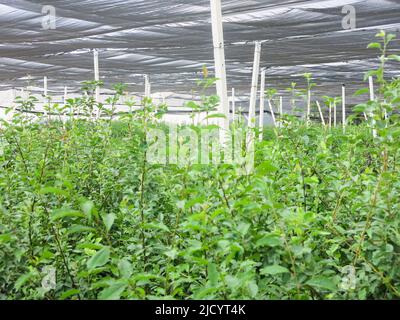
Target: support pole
(344,107)
(320,113)
(220,69)
(254,83)
(308,106)
(45,94)
(233,104)
(262,104)
(65,95)
(334,114)
(96,73)
(272,112)
(372,98)
(330,114)
(147,86)
(45,88)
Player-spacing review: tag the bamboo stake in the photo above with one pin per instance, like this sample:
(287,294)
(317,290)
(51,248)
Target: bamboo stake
(220,68)
(233,104)
(254,83)
(272,112)
(262,105)
(372,98)
(344,107)
(320,113)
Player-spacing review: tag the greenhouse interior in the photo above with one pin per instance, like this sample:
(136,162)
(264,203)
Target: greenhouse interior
(200,150)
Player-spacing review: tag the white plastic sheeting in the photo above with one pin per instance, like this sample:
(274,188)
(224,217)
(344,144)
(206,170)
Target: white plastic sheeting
(171,39)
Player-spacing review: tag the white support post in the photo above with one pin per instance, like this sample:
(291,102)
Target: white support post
(254,83)
(65,95)
(96,73)
(344,107)
(262,104)
(45,95)
(272,112)
(45,87)
(372,98)
(233,105)
(334,114)
(320,113)
(220,69)
(147,86)
(308,106)
(330,114)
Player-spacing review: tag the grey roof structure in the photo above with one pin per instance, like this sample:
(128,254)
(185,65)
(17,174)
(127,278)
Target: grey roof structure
(171,40)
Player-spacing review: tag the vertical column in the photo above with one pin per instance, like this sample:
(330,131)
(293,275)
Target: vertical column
(220,69)
(96,73)
(262,104)
(344,107)
(372,98)
(254,83)
(233,105)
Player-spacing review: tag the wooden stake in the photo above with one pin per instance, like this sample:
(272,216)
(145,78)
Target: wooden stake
(220,69)
(262,105)
(272,112)
(344,107)
(320,113)
(233,104)
(372,98)
(254,83)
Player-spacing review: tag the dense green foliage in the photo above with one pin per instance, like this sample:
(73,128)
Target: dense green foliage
(80,197)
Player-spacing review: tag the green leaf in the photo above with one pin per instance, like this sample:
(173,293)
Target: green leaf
(321,282)
(5,238)
(108,220)
(394,57)
(213,274)
(274,269)
(125,268)
(22,280)
(99,259)
(53,190)
(66,213)
(269,240)
(375,45)
(69,293)
(80,229)
(361,92)
(113,292)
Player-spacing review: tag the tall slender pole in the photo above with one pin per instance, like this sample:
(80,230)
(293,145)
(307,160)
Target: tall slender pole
(320,113)
(308,106)
(147,87)
(233,104)
(334,114)
(65,95)
(372,98)
(271,109)
(96,73)
(220,69)
(45,91)
(45,94)
(344,107)
(254,83)
(330,114)
(262,104)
